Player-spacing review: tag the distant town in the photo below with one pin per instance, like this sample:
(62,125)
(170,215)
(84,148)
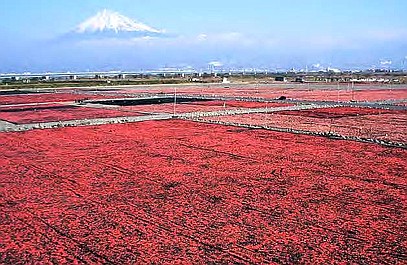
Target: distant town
(179,76)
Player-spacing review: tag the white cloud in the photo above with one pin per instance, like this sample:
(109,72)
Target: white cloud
(386,62)
(202,37)
(233,47)
(216,64)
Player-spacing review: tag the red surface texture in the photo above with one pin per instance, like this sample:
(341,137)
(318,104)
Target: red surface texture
(302,92)
(46,97)
(56,112)
(215,105)
(366,123)
(184,192)
(340,112)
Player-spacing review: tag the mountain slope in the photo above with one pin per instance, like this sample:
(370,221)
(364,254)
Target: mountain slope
(108,20)
(110,24)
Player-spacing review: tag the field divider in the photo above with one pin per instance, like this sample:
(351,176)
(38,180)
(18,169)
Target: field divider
(195,115)
(330,135)
(84,122)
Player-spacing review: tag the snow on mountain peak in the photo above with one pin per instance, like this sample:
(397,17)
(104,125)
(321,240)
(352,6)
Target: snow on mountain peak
(107,20)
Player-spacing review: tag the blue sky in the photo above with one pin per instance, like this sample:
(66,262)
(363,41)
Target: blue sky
(273,33)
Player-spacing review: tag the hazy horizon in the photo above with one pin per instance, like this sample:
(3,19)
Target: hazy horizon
(234,34)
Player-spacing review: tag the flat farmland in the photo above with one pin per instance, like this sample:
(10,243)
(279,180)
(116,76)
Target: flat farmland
(310,92)
(205,106)
(47,97)
(172,188)
(359,122)
(185,192)
(56,112)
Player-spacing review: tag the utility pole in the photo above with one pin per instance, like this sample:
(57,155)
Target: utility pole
(353,91)
(338,88)
(175,99)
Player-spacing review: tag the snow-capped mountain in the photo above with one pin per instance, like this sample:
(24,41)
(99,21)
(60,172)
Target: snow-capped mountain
(108,20)
(110,24)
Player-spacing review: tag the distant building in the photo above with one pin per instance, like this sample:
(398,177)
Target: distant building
(299,80)
(280,79)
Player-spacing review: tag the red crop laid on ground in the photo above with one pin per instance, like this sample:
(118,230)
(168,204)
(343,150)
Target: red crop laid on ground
(347,94)
(340,112)
(299,92)
(46,97)
(32,106)
(371,123)
(185,192)
(302,92)
(203,106)
(242,104)
(48,113)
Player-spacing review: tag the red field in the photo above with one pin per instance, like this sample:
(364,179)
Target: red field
(184,192)
(242,104)
(46,97)
(214,105)
(360,93)
(332,113)
(48,113)
(370,123)
(30,107)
